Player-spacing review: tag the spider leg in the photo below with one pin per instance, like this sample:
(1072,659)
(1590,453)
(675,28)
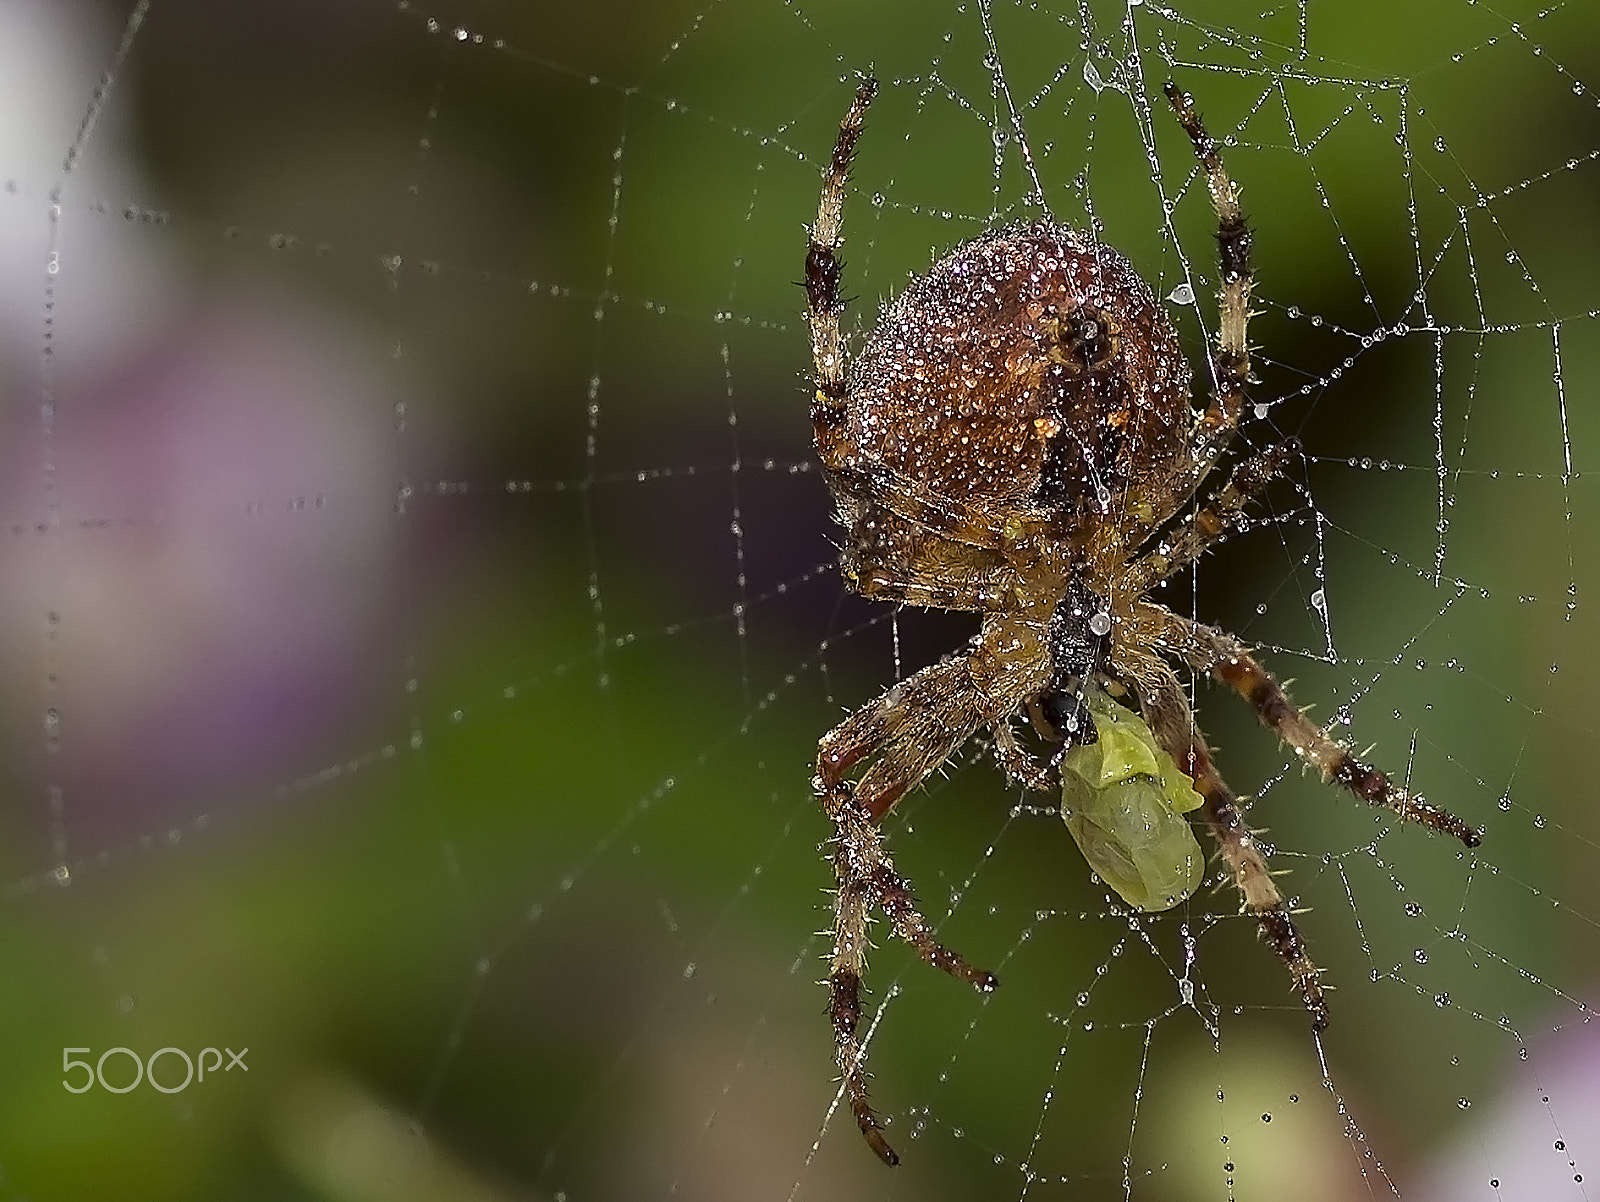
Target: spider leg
(911,729)
(823,270)
(1209,523)
(872,485)
(1167,711)
(1019,765)
(1208,649)
(924,591)
(866,878)
(1230,364)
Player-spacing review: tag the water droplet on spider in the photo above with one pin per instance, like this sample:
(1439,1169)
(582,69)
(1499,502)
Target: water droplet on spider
(1100,624)
(1183,294)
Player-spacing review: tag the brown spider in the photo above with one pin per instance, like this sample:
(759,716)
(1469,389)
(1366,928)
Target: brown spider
(1015,438)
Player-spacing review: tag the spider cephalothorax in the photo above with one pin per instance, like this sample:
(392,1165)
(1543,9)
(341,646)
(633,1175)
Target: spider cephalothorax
(1016,439)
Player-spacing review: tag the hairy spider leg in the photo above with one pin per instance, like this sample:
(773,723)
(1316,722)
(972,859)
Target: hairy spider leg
(1207,649)
(1214,426)
(823,270)
(1230,363)
(866,878)
(903,735)
(1167,711)
(1170,718)
(911,728)
(1248,480)
(1020,765)
(878,484)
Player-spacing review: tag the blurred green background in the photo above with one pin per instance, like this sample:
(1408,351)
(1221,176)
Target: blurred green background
(420,614)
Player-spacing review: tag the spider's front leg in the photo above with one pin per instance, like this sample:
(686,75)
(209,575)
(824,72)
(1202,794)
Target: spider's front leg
(1172,721)
(866,878)
(1018,764)
(912,728)
(1208,649)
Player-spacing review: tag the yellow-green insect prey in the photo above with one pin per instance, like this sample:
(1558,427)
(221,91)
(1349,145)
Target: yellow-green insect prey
(1123,798)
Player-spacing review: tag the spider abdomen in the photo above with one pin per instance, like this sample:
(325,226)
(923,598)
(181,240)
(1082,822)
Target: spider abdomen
(1029,368)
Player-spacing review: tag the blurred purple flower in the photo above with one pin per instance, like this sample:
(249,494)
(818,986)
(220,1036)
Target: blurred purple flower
(214,533)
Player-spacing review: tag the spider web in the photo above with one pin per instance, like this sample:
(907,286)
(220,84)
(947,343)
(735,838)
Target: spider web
(419,613)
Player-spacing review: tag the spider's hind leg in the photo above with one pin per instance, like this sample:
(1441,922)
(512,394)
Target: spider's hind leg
(1230,364)
(824,304)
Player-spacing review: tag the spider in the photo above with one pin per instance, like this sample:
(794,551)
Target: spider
(1015,438)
